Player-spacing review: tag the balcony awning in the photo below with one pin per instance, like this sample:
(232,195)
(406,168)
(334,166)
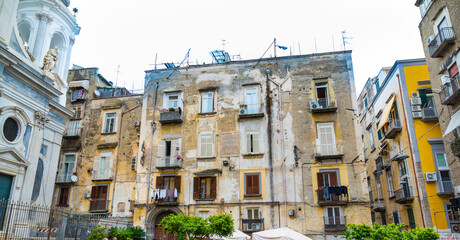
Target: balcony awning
(453,124)
(82,83)
(386,112)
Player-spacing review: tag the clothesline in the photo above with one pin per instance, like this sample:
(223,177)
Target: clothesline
(158,193)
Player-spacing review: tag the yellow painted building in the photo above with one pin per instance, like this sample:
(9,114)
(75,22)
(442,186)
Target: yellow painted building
(409,181)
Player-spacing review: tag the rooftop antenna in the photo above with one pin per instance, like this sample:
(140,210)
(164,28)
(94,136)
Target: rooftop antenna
(223,44)
(345,39)
(185,58)
(300,52)
(333,45)
(116,80)
(156,55)
(316,47)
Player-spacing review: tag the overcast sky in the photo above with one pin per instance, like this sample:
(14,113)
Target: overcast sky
(131,33)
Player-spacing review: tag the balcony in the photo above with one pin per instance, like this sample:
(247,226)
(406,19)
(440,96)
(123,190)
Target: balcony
(450,93)
(441,41)
(168,162)
(250,111)
(328,151)
(338,223)
(383,162)
(455,147)
(404,195)
(73,130)
(77,95)
(253,225)
(64,178)
(98,205)
(172,115)
(393,129)
(332,199)
(323,105)
(169,199)
(444,188)
(429,114)
(378,206)
(102,175)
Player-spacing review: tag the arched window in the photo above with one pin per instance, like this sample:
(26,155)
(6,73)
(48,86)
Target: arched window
(58,41)
(24,31)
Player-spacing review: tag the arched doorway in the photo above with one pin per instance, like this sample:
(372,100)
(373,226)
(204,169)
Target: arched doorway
(159,234)
(155,217)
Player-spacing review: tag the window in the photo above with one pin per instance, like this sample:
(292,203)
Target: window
(252,100)
(207,102)
(369,189)
(204,188)
(66,168)
(371,138)
(322,97)
(170,185)
(63,199)
(443,24)
(168,151)
(252,143)
(378,184)
(109,123)
(441,161)
(252,184)
(99,198)
(396,219)
(366,104)
(445,182)
(377,86)
(391,190)
(172,100)
(410,215)
(326,139)
(383,218)
(74,128)
(402,169)
(379,132)
(424,4)
(204,214)
(11,129)
(77,111)
(333,216)
(404,181)
(327,178)
(77,94)
(253,213)
(206,145)
(102,166)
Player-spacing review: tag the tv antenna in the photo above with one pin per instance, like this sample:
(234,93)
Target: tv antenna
(345,39)
(118,72)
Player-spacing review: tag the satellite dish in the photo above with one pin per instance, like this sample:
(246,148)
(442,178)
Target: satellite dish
(74,178)
(97,93)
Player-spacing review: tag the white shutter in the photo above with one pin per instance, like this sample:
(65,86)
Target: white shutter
(173,151)
(108,166)
(248,143)
(211,145)
(255,142)
(61,173)
(326,138)
(96,167)
(161,148)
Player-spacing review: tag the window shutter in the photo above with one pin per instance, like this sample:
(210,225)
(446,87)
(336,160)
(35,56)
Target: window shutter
(333,177)
(196,188)
(255,142)
(202,146)
(213,188)
(94,192)
(61,167)
(210,146)
(103,192)
(177,183)
(248,143)
(161,148)
(96,166)
(256,184)
(173,148)
(159,183)
(248,184)
(319,176)
(65,194)
(108,167)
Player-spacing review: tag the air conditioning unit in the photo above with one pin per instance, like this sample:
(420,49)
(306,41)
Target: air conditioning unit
(431,177)
(243,109)
(416,101)
(133,166)
(416,108)
(415,95)
(430,39)
(455,227)
(291,213)
(417,114)
(136,124)
(445,79)
(87,195)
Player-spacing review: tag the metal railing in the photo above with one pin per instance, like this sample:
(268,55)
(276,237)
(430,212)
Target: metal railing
(165,162)
(323,104)
(394,123)
(429,113)
(332,196)
(435,47)
(335,223)
(450,90)
(403,194)
(102,175)
(98,204)
(171,115)
(253,225)
(445,187)
(394,128)
(63,177)
(378,205)
(328,149)
(169,196)
(253,108)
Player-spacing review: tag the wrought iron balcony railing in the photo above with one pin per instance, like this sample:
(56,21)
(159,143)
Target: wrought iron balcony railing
(393,129)
(337,223)
(444,188)
(438,45)
(404,195)
(173,115)
(253,225)
(450,93)
(168,162)
(328,151)
(322,105)
(98,204)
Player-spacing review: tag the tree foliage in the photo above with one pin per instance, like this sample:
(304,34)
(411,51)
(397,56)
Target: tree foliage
(388,232)
(192,227)
(97,233)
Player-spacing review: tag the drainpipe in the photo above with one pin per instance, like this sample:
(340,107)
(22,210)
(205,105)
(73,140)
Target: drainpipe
(150,157)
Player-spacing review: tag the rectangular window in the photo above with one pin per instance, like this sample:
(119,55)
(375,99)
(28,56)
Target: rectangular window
(383,218)
(204,188)
(326,139)
(378,184)
(410,215)
(102,166)
(441,161)
(396,219)
(327,178)
(109,123)
(173,101)
(377,86)
(253,213)
(252,184)
(207,102)
(252,100)
(74,128)
(391,190)
(206,148)
(204,214)
(322,97)
(168,188)
(366,104)
(77,111)
(66,168)
(252,143)
(99,198)
(371,138)
(64,193)
(334,216)
(379,132)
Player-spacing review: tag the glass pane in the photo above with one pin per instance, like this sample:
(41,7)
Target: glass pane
(69,158)
(442,163)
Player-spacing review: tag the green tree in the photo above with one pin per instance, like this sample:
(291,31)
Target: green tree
(97,233)
(388,232)
(192,227)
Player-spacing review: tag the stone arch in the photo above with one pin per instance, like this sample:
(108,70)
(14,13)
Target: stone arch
(58,40)
(155,216)
(25,30)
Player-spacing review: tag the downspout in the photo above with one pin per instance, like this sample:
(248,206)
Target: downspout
(268,108)
(150,157)
(411,153)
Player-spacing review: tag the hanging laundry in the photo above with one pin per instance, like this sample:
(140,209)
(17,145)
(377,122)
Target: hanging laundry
(170,193)
(175,192)
(162,193)
(326,193)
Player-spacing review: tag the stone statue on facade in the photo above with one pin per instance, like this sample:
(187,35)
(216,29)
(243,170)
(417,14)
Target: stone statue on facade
(50,59)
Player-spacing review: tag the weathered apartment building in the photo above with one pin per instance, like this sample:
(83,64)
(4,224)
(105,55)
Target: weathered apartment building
(439,30)
(408,175)
(272,142)
(96,174)
(32,111)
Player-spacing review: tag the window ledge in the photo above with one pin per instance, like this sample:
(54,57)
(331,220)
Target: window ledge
(253,155)
(102,180)
(108,133)
(75,119)
(208,113)
(205,200)
(206,158)
(253,195)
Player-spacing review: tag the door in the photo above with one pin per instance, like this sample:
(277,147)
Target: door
(251,100)
(5,189)
(326,139)
(321,94)
(441,30)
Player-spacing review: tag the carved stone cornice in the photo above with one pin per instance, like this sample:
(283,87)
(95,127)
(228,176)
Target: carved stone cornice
(41,118)
(44,17)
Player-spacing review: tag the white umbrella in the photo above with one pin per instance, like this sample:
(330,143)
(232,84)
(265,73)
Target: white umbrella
(279,234)
(237,235)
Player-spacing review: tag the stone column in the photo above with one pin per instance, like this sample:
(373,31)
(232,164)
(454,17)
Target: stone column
(41,33)
(8,9)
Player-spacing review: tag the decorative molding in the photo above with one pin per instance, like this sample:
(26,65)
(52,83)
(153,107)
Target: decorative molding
(41,118)
(44,17)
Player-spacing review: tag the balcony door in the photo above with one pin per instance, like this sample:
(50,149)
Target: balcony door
(334,217)
(327,179)
(322,94)
(441,25)
(99,196)
(326,139)
(251,100)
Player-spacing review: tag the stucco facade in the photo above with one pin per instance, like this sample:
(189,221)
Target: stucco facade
(251,139)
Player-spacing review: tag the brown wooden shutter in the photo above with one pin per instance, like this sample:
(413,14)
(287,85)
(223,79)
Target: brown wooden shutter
(213,188)
(177,183)
(94,192)
(196,188)
(159,183)
(103,192)
(248,184)
(333,176)
(320,178)
(256,184)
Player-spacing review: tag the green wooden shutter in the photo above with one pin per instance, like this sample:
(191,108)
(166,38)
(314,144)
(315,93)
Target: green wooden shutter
(410,214)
